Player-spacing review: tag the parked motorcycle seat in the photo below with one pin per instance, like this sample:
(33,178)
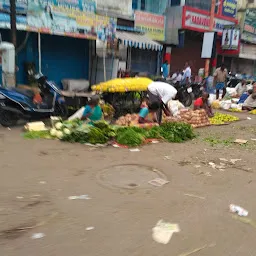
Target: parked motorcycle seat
(28,93)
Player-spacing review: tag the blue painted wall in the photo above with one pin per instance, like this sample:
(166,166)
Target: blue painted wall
(62,57)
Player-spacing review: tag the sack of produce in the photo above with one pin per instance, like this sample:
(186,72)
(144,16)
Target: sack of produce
(226,104)
(174,107)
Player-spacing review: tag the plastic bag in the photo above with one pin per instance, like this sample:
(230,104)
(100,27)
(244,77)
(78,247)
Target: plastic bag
(77,115)
(174,107)
(226,104)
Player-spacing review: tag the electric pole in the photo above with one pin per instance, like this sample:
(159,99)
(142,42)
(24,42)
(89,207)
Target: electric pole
(211,27)
(13,22)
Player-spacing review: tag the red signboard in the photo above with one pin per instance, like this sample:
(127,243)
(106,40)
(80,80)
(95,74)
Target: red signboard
(199,20)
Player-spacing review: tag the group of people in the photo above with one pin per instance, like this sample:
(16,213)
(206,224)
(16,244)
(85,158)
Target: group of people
(161,96)
(246,95)
(178,76)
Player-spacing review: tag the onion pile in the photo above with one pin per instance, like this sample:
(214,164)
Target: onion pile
(197,118)
(128,120)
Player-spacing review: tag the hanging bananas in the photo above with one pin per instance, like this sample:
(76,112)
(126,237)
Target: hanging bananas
(121,85)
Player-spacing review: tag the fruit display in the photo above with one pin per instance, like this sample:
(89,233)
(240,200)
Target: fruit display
(197,118)
(236,110)
(108,110)
(122,85)
(220,118)
(216,104)
(253,112)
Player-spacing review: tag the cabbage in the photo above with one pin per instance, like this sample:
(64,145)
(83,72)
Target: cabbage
(59,134)
(66,131)
(58,125)
(53,132)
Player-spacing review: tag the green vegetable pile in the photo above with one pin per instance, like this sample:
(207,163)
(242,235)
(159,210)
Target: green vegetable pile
(37,135)
(171,132)
(101,132)
(98,133)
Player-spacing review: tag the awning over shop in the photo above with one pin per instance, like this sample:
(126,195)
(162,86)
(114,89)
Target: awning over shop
(137,40)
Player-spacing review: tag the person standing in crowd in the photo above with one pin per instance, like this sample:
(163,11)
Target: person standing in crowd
(165,69)
(220,77)
(187,74)
(162,93)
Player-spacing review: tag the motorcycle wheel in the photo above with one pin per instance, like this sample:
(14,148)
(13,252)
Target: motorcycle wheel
(61,110)
(187,100)
(7,118)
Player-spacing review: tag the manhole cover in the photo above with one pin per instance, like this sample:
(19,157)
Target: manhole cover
(129,176)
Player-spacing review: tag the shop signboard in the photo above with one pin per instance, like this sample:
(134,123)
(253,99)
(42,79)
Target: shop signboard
(115,8)
(21,14)
(152,24)
(249,27)
(230,37)
(200,20)
(229,8)
(74,18)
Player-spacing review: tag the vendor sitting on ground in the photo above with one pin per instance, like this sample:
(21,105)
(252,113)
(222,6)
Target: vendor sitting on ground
(148,107)
(203,103)
(92,110)
(244,96)
(240,88)
(250,102)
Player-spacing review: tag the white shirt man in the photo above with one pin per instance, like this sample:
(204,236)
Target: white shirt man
(187,74)
(176,77)
(162,91)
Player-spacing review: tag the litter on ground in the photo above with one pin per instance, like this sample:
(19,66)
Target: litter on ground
(163,231)
(38,235)
(82,197)
(158,182)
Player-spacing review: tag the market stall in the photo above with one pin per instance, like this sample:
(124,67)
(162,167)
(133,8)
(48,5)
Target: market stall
(124,94)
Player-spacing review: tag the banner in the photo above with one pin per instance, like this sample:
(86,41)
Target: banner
(229,8)
(152,24)
(74,18)
(230,37)
(249,27)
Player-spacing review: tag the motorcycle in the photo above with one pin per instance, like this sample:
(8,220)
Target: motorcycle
(18,103)
(197,90)
(184,94)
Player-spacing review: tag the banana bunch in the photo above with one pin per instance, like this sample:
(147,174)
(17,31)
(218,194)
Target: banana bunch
(121,85)
(215,121)
(253,112)
(220,118)
(236,110)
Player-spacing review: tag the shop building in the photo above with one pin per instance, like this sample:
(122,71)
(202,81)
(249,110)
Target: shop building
(139,36)
(185,27)
(245,63)
(54,41)
(58,60)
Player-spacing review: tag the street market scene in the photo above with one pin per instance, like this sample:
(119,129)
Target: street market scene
(127,128)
